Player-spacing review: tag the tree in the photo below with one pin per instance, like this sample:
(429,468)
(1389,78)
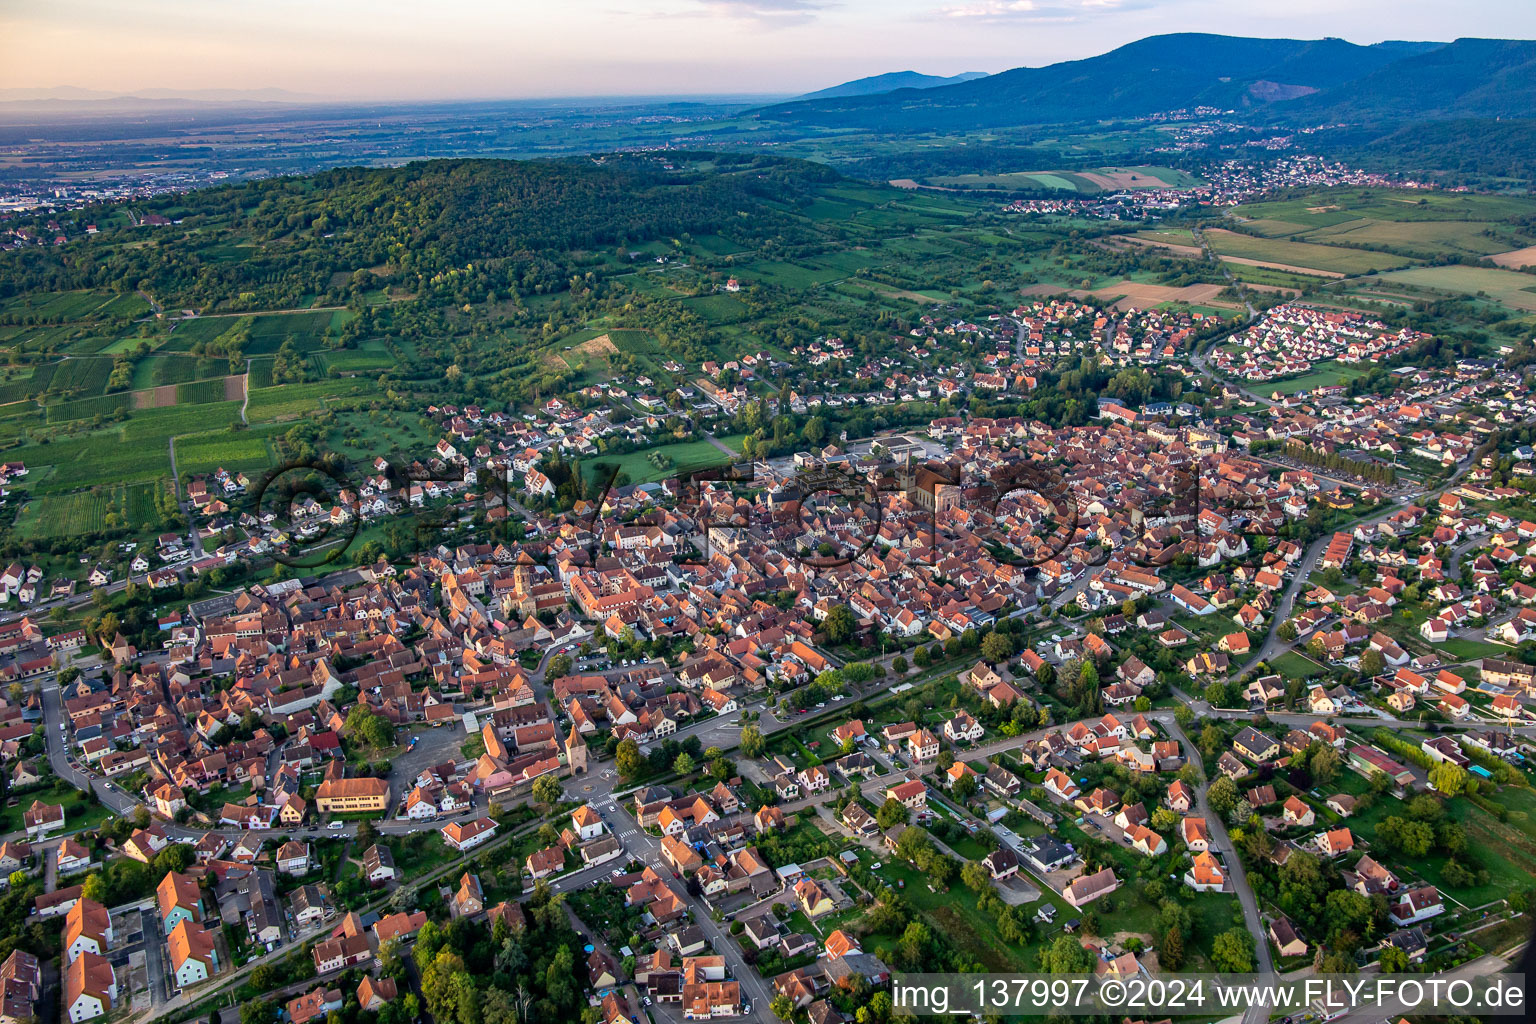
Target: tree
(892,812)
(95,888)
(368,728)
(964,787)
(559,665)
(1065,956)
(782,1007)
(1448,779)
(1371,663)
(546,790)
(899,665)
(1222,796)
(1392,960)
(976,876)
(1232,952)
(258,1011)
(1170,956)
(627,759)
(839,624)
(752,742)
(1412,838)
(997,647)
(683,764)
(1324,764)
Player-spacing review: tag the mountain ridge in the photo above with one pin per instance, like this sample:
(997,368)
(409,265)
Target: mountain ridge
(1283,77)
(890,82)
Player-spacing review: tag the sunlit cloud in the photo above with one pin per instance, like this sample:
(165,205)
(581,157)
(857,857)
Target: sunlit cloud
(1030,10)
(769,11)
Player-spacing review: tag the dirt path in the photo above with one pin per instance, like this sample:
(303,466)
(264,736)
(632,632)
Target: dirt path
(245,390)
(1307,271)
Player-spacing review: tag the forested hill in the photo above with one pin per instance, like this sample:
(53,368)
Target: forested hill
(267,244)
(1280,77)
(890,82)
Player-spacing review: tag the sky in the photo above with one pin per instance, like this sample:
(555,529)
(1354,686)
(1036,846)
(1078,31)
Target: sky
(494,49)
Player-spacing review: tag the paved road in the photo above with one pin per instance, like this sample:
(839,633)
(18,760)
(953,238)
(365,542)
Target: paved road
(753,988)
(1273,647)
(183,504)
(1233,863)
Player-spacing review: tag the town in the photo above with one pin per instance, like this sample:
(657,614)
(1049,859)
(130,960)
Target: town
(1208,700)
(746,553)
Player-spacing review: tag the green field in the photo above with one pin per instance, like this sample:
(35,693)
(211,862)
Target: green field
(203,453)
(1069,181)
(686,456)
(1302,254)
(1512,289)
(1322,375)
(59,515)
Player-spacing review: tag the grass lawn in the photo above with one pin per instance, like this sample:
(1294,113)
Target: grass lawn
(676,459)
(1467,650)
(1322,375)
(1295,666)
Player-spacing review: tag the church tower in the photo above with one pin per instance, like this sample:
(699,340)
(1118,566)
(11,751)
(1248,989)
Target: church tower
(576,753)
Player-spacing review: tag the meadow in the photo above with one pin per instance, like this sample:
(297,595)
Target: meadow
(1303,255)
(1512,289)
(1322,375)
(683,457)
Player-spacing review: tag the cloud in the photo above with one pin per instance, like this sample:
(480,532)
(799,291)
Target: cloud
(1030,10)
(780,11)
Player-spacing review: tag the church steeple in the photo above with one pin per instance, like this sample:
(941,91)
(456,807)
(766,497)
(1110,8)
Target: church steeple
(576,752)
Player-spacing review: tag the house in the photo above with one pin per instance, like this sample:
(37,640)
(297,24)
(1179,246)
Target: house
(1333,842)
(90,987)
(1180,797)
(311,1005)
(1283,934)
(1297,812)
(349,796)
(1047,854)
(21,985)
(547,861)
(1060,784)
(1370,877)
(1412,941)
(1145,841)
(41,819)
(1417,905)
(178,899)
(587,823)
(342,952)
(379,864)
(1086,888)
(1001,862)
(1254,745)
(962,728)
(87,929)
(911,794)
(813,899)
(194,957)
(467,835)
(293,858)
(373,993)
(469,899)
(1205,874)
(1195,834)
(399,925)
